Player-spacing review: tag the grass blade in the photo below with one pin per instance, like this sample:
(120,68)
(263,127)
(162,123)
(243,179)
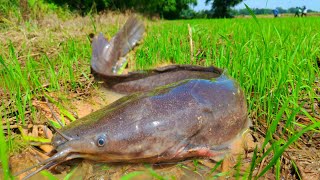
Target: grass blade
(4,155)
(285,146)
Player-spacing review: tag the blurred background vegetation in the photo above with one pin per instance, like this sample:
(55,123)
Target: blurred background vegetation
(164,9)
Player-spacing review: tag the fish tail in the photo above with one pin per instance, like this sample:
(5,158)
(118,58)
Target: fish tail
(106,55)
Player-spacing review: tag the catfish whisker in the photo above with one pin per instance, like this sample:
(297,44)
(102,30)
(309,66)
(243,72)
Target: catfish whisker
(55,157)
(46,166)
(61,134)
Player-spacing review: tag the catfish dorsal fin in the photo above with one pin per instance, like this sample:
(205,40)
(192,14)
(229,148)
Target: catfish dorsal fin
(105,55)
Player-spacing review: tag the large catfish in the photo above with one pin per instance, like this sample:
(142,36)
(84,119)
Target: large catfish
(171,113)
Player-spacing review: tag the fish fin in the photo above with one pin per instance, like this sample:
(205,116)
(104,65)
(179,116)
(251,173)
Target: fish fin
(105,55)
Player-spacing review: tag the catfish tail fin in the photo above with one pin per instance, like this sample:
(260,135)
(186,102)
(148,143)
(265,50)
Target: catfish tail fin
(105,55)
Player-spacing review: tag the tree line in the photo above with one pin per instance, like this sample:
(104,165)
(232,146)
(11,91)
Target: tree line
(167,9)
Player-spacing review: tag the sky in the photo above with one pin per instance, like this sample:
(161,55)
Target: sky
(271,4)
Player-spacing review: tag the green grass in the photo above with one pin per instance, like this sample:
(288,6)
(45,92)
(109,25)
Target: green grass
(17,11)
(274,60)
(4,158)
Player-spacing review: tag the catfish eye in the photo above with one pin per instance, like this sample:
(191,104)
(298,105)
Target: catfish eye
(101,141)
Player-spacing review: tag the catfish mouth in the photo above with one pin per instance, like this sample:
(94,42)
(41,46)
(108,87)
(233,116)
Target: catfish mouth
(67,149)
(66,153)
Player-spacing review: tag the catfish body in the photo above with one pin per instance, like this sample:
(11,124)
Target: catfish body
(171,113)
(192,118)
